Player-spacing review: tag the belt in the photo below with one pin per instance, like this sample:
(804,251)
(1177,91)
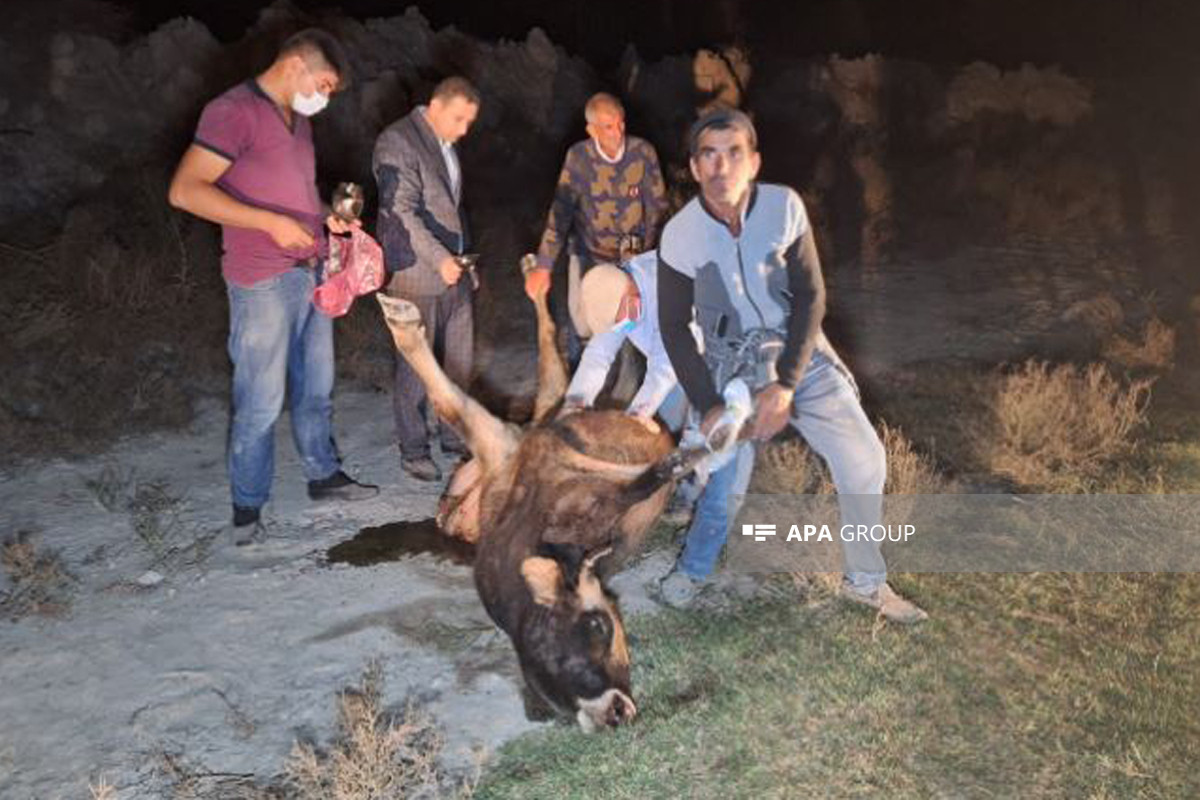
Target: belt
(308,263)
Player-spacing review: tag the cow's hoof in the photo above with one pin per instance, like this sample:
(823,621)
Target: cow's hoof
(397,311)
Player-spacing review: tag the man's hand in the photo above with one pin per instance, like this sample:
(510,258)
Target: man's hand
(288,233)
(338,225)
(772,408)
(537,282)
(450,269)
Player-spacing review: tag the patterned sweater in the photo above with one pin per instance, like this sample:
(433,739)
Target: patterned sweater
(598,204)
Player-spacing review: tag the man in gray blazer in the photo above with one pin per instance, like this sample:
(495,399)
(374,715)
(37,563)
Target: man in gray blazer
(422,229)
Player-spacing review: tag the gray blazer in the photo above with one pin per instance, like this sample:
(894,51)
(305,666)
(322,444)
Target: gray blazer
(420,218)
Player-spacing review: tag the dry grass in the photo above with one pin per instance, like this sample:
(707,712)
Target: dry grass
(790,467)
(178,779)
(102,789)
(134,253)
(1101,315)
(40,583)
(155,515)
(1059,428)
(908,471)
(1155,350)
(377,756)
(112,487)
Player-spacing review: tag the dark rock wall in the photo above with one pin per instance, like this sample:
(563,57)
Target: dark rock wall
(890,153)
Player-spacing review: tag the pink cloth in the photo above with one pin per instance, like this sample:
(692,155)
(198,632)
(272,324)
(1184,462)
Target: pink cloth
(359,263)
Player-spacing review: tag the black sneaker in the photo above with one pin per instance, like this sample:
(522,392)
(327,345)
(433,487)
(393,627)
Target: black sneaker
(340,486)
(245,515)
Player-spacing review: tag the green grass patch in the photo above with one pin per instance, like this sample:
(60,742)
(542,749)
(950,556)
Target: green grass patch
(1019,686)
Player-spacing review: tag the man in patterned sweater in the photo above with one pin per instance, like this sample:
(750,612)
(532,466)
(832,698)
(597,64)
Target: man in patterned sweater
(608,207)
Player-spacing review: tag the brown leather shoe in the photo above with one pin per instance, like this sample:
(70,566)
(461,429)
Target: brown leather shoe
(422,468)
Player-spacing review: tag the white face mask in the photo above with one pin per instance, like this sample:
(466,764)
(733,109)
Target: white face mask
(309,104)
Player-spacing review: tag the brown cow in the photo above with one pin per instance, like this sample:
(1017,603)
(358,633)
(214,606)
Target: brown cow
(553,508)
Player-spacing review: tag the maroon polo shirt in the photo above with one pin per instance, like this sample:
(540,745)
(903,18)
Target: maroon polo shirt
(272,166)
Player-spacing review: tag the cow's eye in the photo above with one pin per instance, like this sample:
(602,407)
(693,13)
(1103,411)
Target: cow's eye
(597,627)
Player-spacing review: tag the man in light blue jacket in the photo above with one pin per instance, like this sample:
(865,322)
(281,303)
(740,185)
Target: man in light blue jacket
(620,304)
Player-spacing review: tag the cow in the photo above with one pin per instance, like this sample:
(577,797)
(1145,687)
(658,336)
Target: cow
(554,508)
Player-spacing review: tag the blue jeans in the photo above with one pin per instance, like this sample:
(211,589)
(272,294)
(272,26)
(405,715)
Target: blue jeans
(280,345)
(827,413)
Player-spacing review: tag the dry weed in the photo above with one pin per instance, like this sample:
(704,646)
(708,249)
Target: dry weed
(376,757)
(1059,428)
(102,790)
(1101,315)
(790,467)
(908,471)
(1155,350)
(40,582)
(182,780)
(155,513)
(112,487)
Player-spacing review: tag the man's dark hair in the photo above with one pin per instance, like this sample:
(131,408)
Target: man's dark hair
(722,118)
(456,86)
(321,48)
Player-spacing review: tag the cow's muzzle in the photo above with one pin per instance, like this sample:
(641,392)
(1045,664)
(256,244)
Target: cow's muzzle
(609,710)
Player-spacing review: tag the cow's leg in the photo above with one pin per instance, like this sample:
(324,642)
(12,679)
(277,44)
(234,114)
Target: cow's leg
(552,373)
(490,439)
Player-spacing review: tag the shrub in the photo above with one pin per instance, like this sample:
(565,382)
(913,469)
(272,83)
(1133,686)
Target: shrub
(1155,350)
(1060,428)
(377,756)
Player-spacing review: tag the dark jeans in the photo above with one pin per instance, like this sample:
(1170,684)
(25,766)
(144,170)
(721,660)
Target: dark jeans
(449,329)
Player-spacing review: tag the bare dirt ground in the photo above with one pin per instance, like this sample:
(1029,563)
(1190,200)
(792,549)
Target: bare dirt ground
(177,643)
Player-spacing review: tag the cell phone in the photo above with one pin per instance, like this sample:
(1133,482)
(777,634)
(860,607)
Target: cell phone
(467,262)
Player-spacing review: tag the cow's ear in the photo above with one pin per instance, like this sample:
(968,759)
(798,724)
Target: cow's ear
(543,576)
(569,556)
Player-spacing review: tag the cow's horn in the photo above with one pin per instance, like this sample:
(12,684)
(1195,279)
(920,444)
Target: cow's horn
(589,563)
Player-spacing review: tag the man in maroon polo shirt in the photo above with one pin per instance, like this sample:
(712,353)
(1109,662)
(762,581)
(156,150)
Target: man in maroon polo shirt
(252,169)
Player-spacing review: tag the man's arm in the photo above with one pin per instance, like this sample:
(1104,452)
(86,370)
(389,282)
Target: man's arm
(773,405)
(808,309)
(676,294)
(193,189)
(593,368)
(401,190)
(660,380)
(561,216)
